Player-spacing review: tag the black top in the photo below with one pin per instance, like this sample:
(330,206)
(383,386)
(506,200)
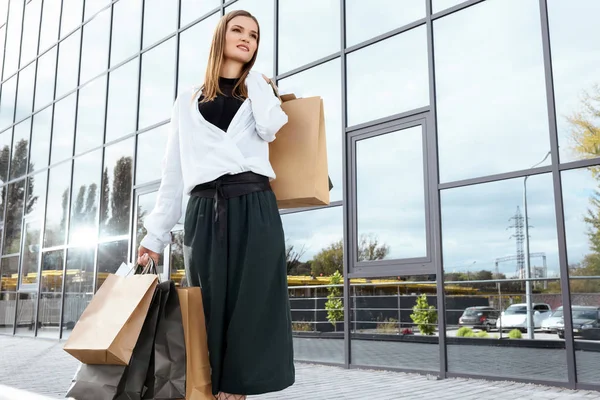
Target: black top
(222,109)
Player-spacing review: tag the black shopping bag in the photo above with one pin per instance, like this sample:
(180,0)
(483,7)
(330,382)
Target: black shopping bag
(96,382)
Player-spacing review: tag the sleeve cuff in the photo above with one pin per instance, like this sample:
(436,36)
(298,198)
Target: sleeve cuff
(153,243)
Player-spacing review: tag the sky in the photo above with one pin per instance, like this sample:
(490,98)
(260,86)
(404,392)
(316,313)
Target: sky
(492,113)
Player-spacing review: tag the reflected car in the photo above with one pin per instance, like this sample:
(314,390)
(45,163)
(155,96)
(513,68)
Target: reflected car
(515,316)
(586,323)
(550,324)
(481,317)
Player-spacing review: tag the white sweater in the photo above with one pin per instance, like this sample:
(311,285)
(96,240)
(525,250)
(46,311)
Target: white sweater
(198,152)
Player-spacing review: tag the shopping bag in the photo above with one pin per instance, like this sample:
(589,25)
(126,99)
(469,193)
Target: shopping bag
(198,384)
(96,382)
(109,327)
(167,373)
(298,155)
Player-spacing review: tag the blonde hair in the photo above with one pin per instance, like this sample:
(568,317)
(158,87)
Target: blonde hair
(210,89)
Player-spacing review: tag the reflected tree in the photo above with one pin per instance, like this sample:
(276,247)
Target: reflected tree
(119,198)
(331,259)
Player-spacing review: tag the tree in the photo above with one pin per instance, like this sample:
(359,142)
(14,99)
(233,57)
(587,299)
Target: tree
(293,257)
(585,130)
(334,304)
(424,315)
(121,196)
(104,199)
(370,250)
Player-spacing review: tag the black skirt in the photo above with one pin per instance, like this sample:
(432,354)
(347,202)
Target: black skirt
(235,250)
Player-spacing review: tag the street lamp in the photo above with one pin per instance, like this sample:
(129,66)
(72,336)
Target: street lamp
(530,325)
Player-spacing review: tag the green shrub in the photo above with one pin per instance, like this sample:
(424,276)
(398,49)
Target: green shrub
(482,334)
(388,325)
(424,316)
(334,305)
(515,334)
(464,331)
(302,326)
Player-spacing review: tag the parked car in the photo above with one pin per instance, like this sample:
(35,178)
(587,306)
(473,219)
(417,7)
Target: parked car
(515,316)
(550,324)
(586,323)
(481,317)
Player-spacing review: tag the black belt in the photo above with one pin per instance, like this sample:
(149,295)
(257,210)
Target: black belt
(227,187)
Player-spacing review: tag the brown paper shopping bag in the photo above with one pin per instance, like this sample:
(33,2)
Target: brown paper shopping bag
(198,384)
(299,155)
(110,326)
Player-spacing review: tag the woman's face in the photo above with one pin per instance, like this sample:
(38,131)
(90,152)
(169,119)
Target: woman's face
(241,39)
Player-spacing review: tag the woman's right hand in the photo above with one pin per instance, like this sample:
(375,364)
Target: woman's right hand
(145,254)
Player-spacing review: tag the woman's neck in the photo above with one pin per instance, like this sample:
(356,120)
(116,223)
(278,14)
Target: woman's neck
(231,69)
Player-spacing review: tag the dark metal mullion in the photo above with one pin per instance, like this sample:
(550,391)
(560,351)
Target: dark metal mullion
(386,35)
(558,199)
(585,163)
(452,10)
(275,40)
(310,65)
(392,120)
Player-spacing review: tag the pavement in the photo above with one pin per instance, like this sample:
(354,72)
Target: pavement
(43,369)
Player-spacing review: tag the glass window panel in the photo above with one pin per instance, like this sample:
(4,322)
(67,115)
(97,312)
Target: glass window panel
(5,155)
(117,181)
(394,72)
(193,53)
(7,104)
(110,256)
(161,17)
(50,23)
(126,30)
(263,11)
(440,5)
(2,38)
(151,148)
(44,90)
(575,59)
(20,151)
(13,38)
(79,285)
(72,16)
(158,81)
(34,214)
(94,54)
(90,115)
(31,29)
(484,237)
(40,139)
(474,90)
(14,217)
(26,314)
(297,49)
(92,7)
(324,81)
(122,101)
(177,262)
(193,9)
(8,286)
(58,201)
(85,198)
(25,97)
(582,214)
(68,64)
(50,294)
(63,129)
(391,217)
(145,205)
(365,20)
(3,12)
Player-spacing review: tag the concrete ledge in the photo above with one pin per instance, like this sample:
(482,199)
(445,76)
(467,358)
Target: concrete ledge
(8,393)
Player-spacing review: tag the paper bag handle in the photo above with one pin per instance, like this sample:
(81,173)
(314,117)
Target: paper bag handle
(275,90)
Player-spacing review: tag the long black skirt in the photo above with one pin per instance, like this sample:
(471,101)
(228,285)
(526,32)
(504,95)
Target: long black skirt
(235,250)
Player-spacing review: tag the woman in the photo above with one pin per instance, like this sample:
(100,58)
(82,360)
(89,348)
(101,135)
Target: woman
(217,152)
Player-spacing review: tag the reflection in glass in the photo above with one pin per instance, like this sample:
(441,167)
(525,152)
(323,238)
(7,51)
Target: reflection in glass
(25,98)
(58,201)
(50,294)
(2,37)
(8,286)
(85,198)
(40,139)
(126,28)
(79,285)
(14,216)
(110,257)
(393,74)
(193,9)
(92,7)
(31,29)
(63,129)
(5,155)
(490,121)
(263,11)
(90,115)
(193,53)
(440,5)
(72,16)
(26,314)
(297,49)
(50,23)
(157,87)
(122,101)
(177,266)
(117,181)
(161,16)
(575,57)
(44,89)
(365,20)
(7,103)
(20,150)
(94,54)
(391,218)
(13,38)
(145,204)
(68,64)
(3,192)
(324,81)
(32,225)
(151,147)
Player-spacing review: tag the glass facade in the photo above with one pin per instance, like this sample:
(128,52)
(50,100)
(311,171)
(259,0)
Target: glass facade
(462,140)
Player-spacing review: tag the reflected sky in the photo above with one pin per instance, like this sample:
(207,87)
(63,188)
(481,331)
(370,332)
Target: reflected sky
(50,23)
(44,89)
(31,29)
(94,54)
(194,9)
(150,152)
(90,115)
(71,16)
(161,17)
(13,38)
(25,96)
(126,25)
(122,100)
